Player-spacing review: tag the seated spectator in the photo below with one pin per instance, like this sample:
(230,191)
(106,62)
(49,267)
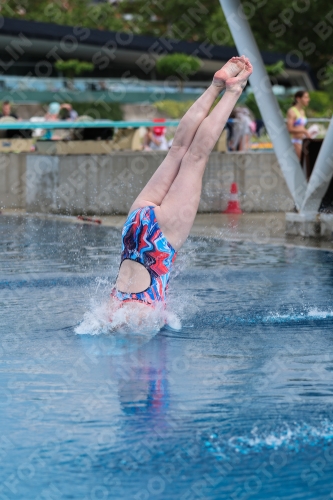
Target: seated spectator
(8,115)
(52,114)
(155,139)
(6,110)
(67,112)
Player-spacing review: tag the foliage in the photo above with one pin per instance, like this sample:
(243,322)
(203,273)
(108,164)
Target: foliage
(66,12)
(251,103)
(328,75)
(321,104)
(179,65)
(327,83)
(302,30)
(173,109)
(275,69)
(278,25)
(285,103)
(99,111)
(73,67)
(179,19)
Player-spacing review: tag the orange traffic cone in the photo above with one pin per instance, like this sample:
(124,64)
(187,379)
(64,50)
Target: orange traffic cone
(233,203)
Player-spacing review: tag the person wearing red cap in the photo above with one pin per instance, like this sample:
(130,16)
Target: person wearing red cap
(155,139)
(162,216)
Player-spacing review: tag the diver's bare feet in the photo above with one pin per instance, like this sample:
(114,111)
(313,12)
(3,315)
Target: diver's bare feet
(237,83)
(229,70)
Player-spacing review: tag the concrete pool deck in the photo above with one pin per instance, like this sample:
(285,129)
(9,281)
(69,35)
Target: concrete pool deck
(259,228)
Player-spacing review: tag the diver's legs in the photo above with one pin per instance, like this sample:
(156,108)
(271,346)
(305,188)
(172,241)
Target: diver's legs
(179,207)
(159,184)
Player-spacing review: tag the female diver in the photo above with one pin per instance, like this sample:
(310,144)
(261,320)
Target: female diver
(162,216)
(296,120)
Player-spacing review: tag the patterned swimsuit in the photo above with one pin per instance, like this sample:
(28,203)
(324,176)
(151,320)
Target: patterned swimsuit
(144,242)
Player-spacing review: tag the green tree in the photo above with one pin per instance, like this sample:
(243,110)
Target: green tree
(302,30)
(275,69)
(66,12)
(173,109)
(179,19)
(327,83)
(73,67)
(99,111)
(178,65)
(321,104)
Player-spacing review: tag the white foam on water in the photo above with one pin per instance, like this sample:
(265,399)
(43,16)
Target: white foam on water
(313,313)
(316,313)
(104,318)
(101,319)
(291,436)
(173,322)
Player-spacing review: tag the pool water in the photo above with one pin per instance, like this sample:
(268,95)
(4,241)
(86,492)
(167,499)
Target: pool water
(237,405)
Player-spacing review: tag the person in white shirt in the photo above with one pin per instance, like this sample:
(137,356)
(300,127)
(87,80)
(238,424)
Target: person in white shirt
(155,139)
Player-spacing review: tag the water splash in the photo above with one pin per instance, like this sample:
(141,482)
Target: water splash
(212,318)
(132,318)
(311,314)
(316,313)
(106,318)
(291,437)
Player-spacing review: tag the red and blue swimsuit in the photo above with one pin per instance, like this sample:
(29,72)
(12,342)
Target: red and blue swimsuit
(144,242)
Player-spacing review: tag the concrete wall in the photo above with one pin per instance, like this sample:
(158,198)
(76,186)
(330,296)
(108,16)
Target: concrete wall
(262,183)
(12,180)
(96,184)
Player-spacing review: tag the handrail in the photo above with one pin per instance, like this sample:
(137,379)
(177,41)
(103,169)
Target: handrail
(316,120)
(19,125)
(103,83)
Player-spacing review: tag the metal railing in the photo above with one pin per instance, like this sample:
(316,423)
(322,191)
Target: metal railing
(62,124)
(63,84)
(13,83)
(20,125)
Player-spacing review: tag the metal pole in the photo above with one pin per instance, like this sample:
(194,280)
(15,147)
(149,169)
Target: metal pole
(266,100)
(321,175)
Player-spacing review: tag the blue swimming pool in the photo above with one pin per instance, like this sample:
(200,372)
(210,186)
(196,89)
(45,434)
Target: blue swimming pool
(237,405)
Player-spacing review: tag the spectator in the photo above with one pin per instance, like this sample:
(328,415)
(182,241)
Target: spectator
(260,127)
(52,115)
(69,113)
(7,113)
(243,128)
(155,139)
(296,120)
(6,110)
(230,129)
